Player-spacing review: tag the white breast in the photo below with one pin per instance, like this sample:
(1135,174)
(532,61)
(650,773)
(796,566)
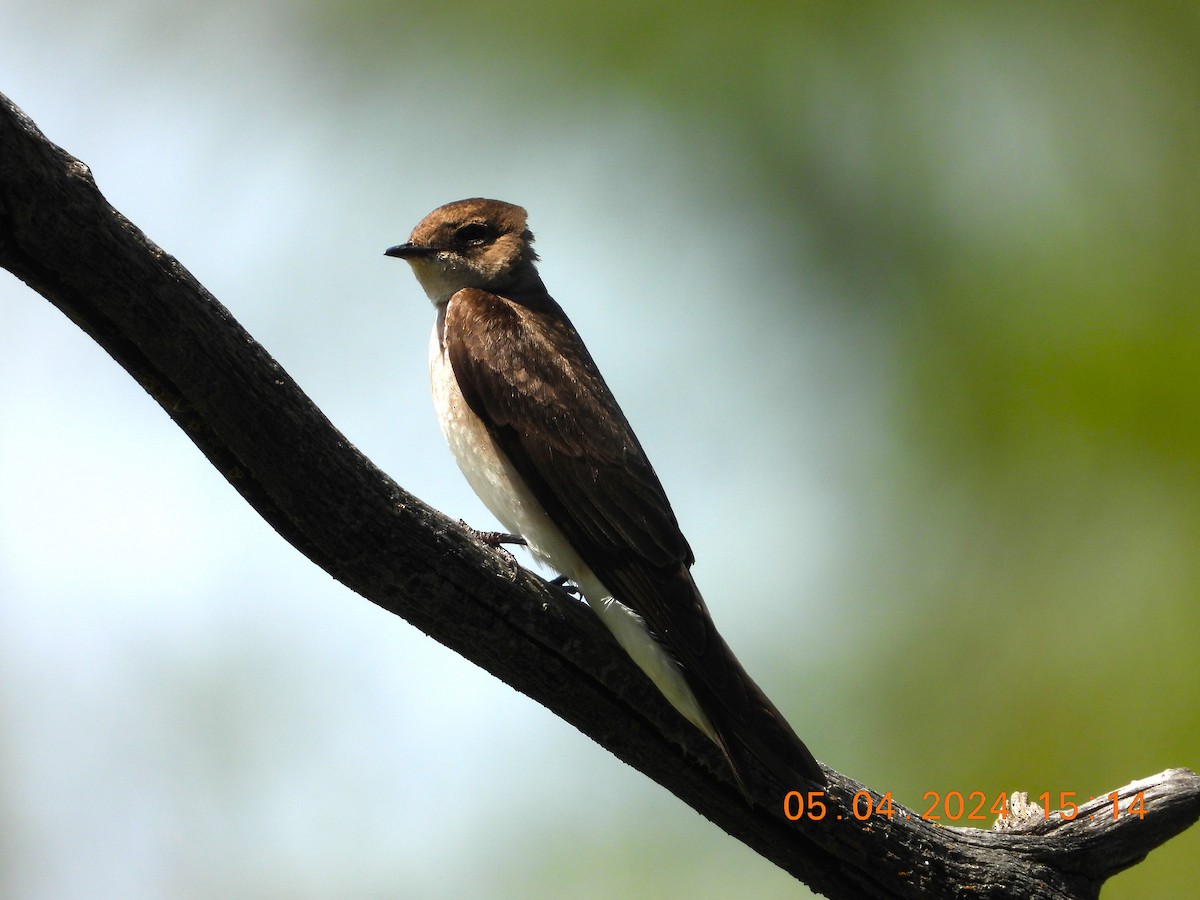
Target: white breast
(490,474)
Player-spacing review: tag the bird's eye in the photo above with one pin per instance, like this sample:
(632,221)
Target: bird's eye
(474,234)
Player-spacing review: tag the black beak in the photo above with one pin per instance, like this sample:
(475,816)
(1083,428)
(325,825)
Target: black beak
(409,251)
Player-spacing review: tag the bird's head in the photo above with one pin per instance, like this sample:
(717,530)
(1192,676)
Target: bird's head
(470,243)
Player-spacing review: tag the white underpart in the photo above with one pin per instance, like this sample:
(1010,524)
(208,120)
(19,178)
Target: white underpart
(505,493)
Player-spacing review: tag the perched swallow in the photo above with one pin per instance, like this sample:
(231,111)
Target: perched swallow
(542,441)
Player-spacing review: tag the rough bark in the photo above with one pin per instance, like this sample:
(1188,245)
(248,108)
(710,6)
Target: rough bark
(60,236)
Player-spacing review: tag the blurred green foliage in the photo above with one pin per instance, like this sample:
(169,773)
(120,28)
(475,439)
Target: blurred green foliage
(1007,200)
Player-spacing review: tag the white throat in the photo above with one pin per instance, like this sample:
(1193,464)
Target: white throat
(439,282)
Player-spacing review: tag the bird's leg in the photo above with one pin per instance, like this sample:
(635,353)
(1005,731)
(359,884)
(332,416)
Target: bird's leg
(496,540)
(562,581)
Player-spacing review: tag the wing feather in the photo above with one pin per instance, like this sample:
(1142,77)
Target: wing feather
(525,372)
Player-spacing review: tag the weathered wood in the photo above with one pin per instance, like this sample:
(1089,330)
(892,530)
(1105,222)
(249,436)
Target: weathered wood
(60,236)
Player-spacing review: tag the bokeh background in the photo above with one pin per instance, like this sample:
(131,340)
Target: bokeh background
(901,299)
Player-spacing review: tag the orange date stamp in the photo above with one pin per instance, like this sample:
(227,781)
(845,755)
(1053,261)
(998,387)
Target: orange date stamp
(953,806)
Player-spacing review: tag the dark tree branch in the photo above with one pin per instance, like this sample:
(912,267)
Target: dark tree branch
(60,236)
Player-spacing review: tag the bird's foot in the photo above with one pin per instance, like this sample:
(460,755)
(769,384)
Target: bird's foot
(562,581)
(496,540)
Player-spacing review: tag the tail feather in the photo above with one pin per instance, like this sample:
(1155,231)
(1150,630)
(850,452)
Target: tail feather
(670,635)
(759,742)
(753,734)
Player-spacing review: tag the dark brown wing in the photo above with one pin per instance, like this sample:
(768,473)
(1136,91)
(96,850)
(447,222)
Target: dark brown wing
(524,370)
